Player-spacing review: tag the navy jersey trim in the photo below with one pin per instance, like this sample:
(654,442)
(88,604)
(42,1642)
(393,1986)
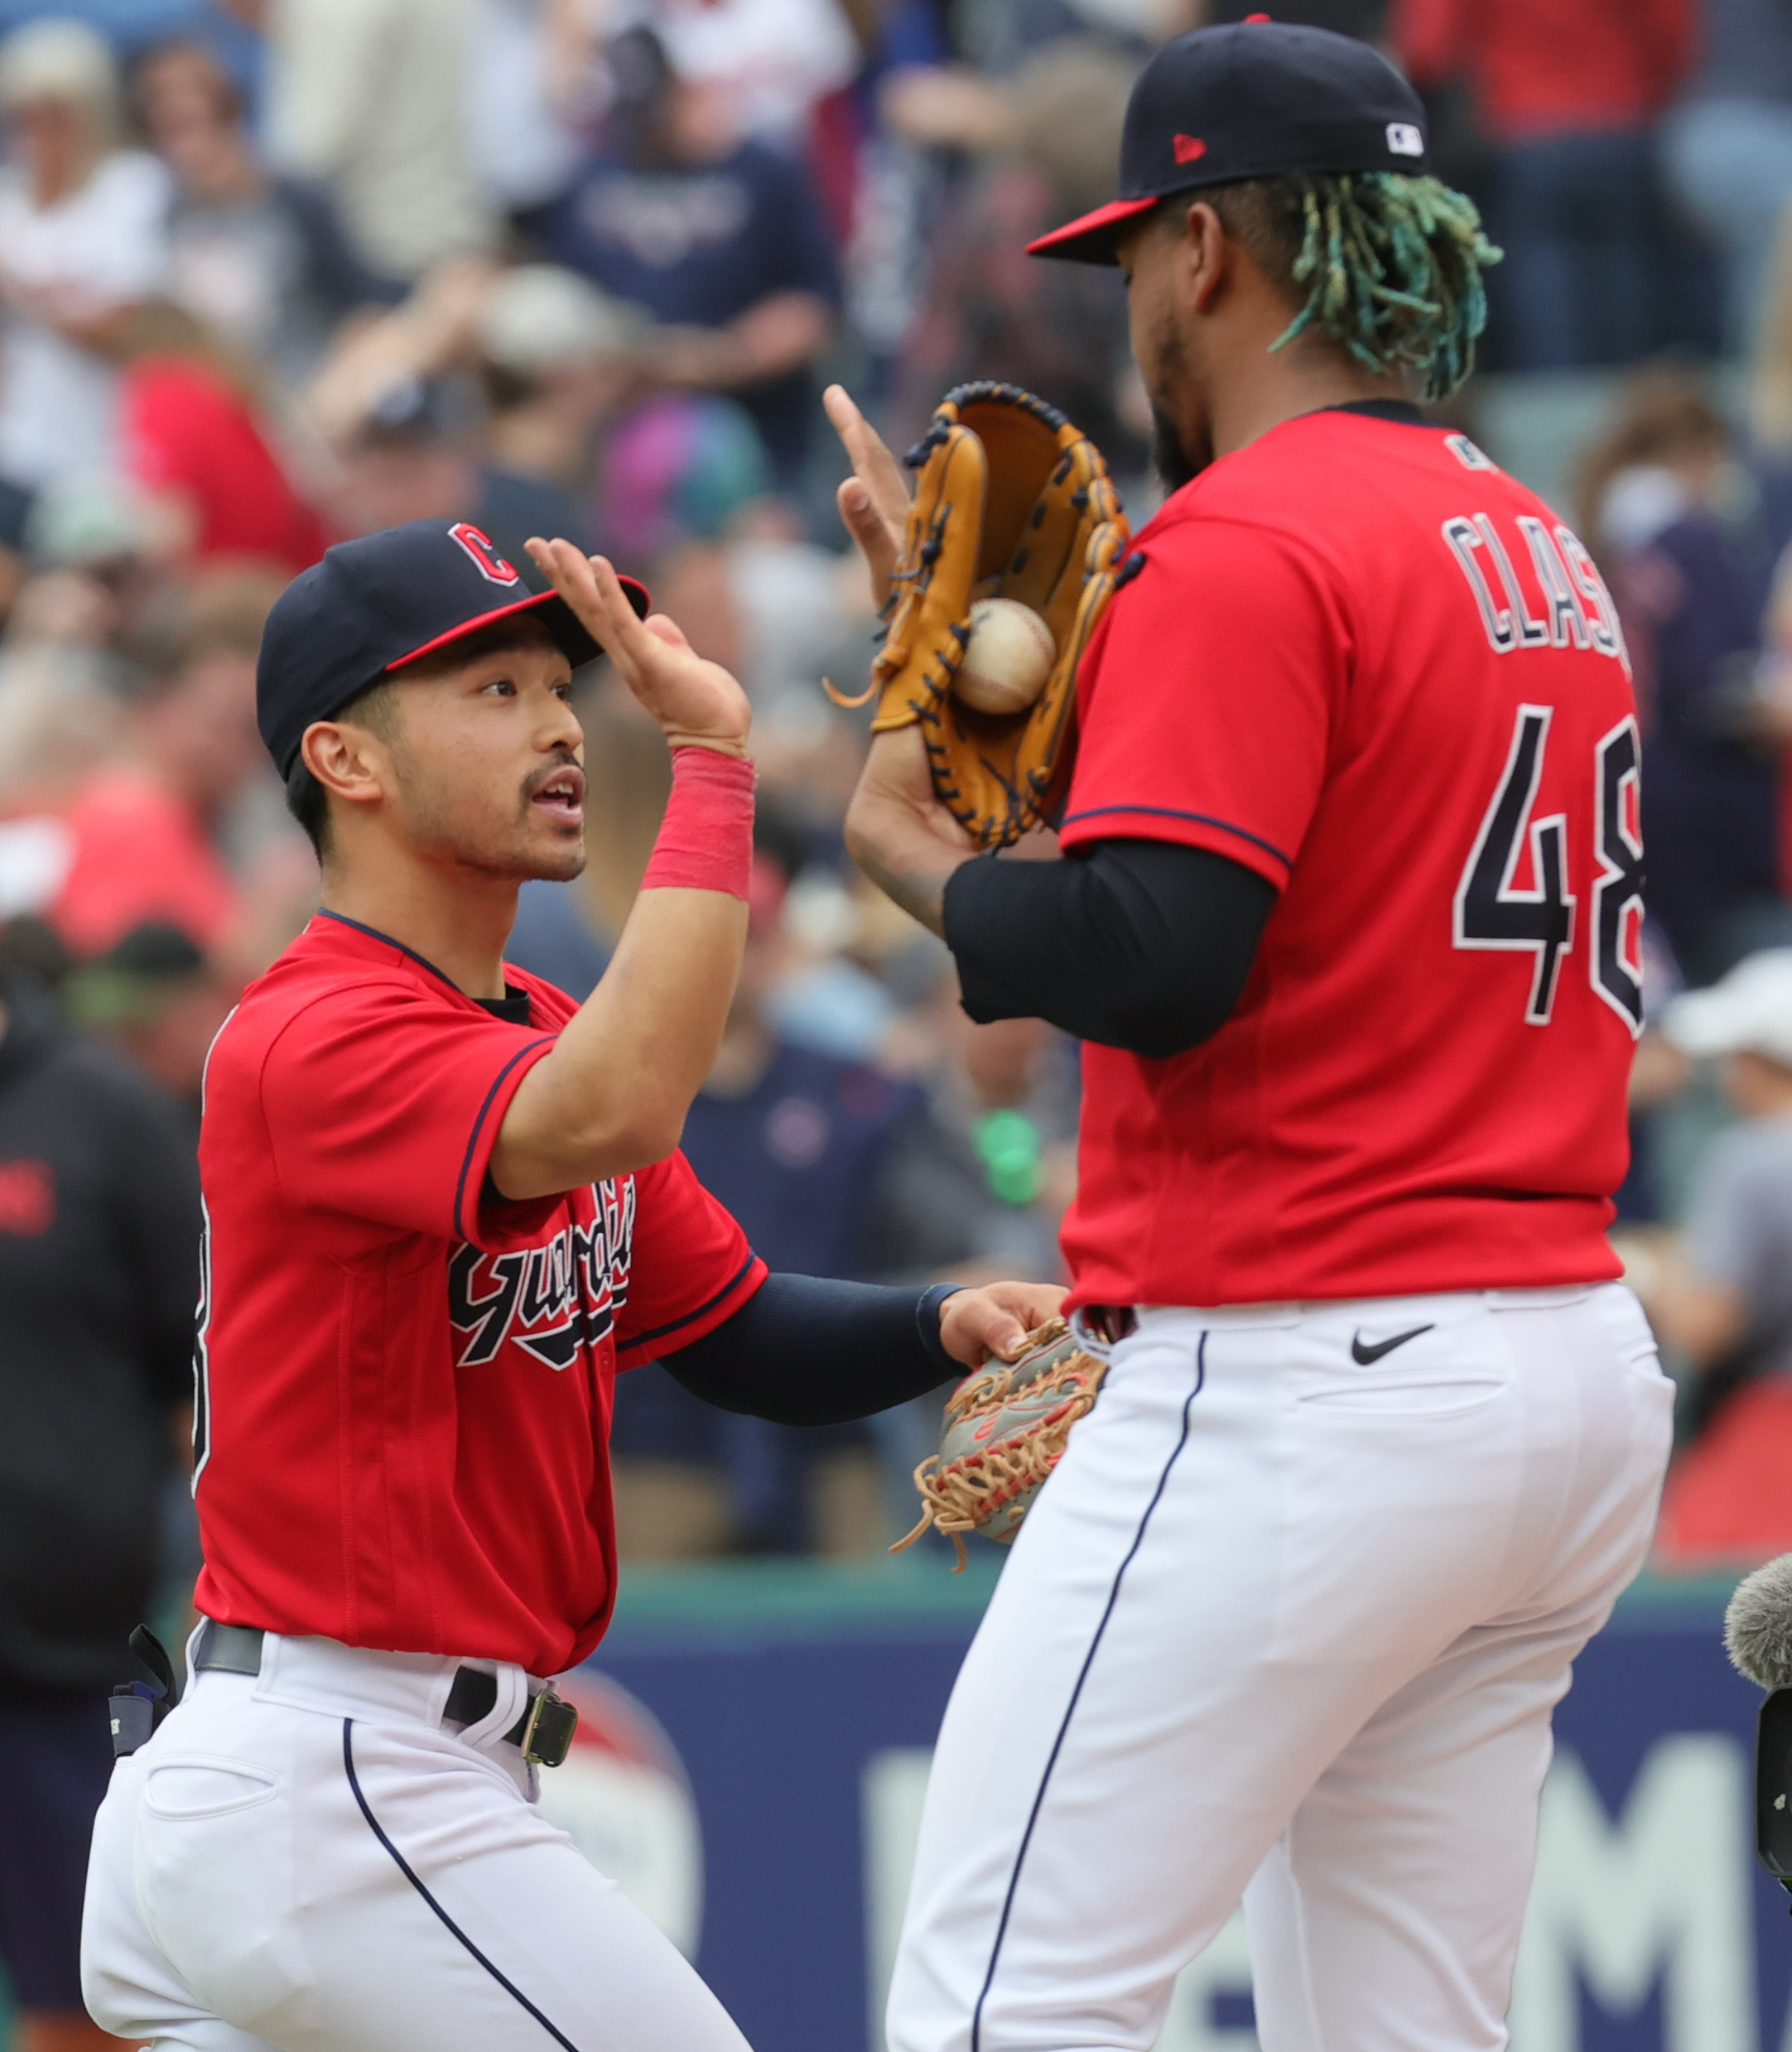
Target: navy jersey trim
(1197,819)
(1070,1709)
(690,1317)
(410,1873)
(462,1225)
(374,933)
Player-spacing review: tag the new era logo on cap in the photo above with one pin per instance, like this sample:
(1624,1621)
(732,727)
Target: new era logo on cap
(374,604)
(1254,98)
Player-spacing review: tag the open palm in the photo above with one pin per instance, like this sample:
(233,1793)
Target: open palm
(692,698)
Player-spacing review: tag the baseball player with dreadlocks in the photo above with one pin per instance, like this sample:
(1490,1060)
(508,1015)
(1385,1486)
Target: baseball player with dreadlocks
(1346,916)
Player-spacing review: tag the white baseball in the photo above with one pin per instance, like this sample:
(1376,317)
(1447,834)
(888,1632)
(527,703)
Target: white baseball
(1008,658)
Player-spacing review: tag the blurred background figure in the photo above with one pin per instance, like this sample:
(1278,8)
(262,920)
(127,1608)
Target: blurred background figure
(99,1253)
(1046,143)
(262,260)
(1723,1299)
(369,97)
(144,834)
(718,238)
(81,240)
(1567,97)
(1669,509)
(1727,149)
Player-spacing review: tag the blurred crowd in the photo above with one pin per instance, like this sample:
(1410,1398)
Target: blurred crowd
(277,271)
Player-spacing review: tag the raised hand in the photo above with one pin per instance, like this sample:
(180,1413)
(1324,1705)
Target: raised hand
(873,501)
(693,699)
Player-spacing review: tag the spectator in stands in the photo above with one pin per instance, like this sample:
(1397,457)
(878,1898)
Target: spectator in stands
(81,240)
(1725,1306)
(530,77)
(1727,149)
(156,998)
(556,359)
(766,63)
(1658,509)
(99,1230)
(678,469)
(1569,96)
(197,447)
(718,239)
(142,832)
(262,261)
(418,456)
(989,310)
(367,97)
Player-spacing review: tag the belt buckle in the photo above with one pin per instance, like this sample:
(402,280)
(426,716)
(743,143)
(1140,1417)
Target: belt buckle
(548,1735)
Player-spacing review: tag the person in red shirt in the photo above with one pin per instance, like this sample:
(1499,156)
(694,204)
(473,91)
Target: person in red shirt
(1568,97)
(140,833)
(1347,914)
(444,1205)
(197,447)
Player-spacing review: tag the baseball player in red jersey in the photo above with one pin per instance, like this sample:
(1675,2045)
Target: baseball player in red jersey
(1347,915)
(444,1206)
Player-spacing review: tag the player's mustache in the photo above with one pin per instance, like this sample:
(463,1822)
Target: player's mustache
(563,758)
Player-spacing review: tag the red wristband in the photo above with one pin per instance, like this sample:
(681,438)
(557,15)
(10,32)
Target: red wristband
(706,839)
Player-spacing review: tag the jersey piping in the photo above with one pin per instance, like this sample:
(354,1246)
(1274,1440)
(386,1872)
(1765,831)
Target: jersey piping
(1195,819)
(690,1317)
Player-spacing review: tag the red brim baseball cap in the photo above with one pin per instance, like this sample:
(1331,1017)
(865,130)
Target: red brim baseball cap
(374,604)
(1250,99)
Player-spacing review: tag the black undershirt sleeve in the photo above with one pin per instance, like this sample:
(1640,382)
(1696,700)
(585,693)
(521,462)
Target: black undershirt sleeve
(803,1351)
(1144,945)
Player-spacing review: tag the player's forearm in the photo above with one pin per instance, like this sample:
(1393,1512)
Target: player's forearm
(805,1350)
(892,831)
(612,1094)
(910,872)
(1141,945)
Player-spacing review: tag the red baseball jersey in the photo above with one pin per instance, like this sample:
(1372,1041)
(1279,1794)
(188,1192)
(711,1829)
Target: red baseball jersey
(1360,659)
(405,1381)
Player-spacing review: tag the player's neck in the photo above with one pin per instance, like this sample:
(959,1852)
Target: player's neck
(457,924)
(1260,391)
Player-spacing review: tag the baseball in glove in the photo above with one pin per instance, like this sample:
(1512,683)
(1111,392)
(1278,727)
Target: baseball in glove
(1006,1428)
(1012,503)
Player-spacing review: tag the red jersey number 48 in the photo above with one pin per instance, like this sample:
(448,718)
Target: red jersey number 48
(1493,910)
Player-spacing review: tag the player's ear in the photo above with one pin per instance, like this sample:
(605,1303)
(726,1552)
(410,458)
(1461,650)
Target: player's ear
(349,762)
(1206,254)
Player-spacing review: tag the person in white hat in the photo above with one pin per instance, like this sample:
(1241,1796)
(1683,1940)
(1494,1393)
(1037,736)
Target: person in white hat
(80,241)
(1727,1303)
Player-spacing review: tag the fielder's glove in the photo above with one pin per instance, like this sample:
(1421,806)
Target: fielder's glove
(1006,1428)
(1013,502)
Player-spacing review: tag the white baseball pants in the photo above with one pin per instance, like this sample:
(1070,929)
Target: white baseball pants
(307,1858)
(1287,1627)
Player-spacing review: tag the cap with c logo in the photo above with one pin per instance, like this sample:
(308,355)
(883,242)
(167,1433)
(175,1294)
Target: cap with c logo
(1250,99)
(374,604)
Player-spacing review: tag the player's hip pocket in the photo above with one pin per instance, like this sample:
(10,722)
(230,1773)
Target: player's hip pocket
(1398,1479)
(214,1866)
(187,1789)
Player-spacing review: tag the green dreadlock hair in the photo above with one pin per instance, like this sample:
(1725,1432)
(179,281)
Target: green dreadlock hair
(1391,264)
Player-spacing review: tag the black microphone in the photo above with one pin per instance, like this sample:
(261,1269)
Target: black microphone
(1757,1634)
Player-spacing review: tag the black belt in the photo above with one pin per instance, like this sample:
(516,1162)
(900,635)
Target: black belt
(544,1730)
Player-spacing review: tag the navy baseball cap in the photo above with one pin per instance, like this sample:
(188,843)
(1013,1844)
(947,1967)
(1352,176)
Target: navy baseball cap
(1252,99)
(384,600)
